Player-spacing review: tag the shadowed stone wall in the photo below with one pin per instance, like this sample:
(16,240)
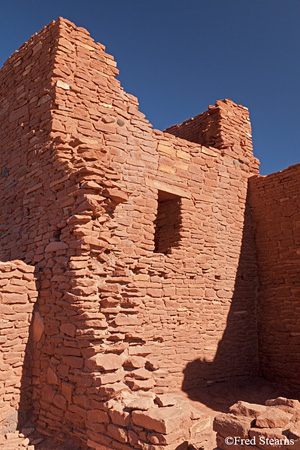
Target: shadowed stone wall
(275,204)
(18,294)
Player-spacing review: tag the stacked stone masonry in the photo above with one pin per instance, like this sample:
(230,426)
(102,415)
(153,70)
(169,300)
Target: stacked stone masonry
(275,203)
(142,244)
(18,294)
(275,425)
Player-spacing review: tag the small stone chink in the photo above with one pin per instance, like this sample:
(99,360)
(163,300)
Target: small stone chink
(120,122)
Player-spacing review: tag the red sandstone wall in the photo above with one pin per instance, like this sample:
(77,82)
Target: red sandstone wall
(80,200)
(145,168)
(275,203)
(154,306)
(25,113)
(17,296)
(37,198)
(225,125)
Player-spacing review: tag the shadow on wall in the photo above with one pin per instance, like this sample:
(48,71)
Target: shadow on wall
(237,356)
(59,365)
(25,410)
(17,302)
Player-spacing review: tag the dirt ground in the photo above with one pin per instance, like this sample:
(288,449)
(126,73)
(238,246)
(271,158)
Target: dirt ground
(220,396)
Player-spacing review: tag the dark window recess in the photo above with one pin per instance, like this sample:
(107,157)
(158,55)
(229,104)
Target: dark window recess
(167,222)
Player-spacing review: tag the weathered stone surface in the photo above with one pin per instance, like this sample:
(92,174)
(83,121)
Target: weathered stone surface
(230,425)
(142,403)
(62,85)
(247,409)
(37,326)
(119,417)
(97,416)
(270,437)
(161,420)
(278,194)
(294,430)
(272,428)
(54,246)
(135,362)
(51,376)
(273,418)
(107,361)
(18,291)
(165,400)
(69,329)
(283,401)
(136,385)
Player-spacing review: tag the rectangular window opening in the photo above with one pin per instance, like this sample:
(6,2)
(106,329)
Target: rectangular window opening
(167,222)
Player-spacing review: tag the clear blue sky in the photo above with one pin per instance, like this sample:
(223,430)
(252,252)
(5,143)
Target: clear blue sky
(178,57)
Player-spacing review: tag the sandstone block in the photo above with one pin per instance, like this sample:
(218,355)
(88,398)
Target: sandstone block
(283,401)
(111,390)
(165,147)
(273,418)
(183,155)
(167,439)
(80,412)
(247,409)
(55,246)
(165,399)
(140,374)
(106,361)
(117,195)
(111,377)
(230,425)
(62,85)
(119,416)
(273,437)
(69,329)
(135,362)
(142,403)
(98,416)
(67,389)
(73,361)
(171,189)
(48,393)
(118,433)
(139,350)
(51,376)
(136,385)
(161,420)
(127,320)
(209,151)
(10,298)
(294,431)
(60,401)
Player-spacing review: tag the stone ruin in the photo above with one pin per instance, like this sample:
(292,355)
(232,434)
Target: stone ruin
(136,264)
(275,425)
